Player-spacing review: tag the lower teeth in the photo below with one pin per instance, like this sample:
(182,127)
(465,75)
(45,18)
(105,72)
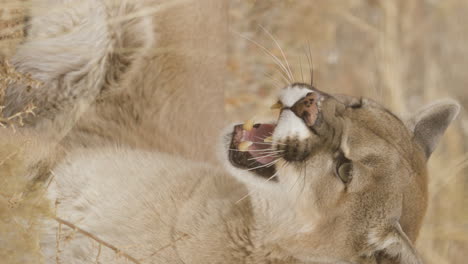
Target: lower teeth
(244,145)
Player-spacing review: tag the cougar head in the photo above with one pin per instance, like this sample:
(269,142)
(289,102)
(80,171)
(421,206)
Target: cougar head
(338,179)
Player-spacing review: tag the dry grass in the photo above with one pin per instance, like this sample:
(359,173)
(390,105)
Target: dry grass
(12,16)
(22,205)
(403,53)
(9,76)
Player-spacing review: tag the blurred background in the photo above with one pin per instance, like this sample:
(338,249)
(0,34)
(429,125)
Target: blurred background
(402,53)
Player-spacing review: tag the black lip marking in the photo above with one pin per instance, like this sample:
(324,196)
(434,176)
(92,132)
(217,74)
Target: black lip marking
(295,150)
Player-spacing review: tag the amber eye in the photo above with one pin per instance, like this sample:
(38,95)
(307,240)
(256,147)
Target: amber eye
(344,169)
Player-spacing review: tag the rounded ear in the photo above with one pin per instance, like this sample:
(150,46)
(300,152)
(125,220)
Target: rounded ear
(391,245)
(429,123)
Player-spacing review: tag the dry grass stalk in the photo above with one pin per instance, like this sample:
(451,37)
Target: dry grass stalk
(9,76)
(99,253)
(57,245)
(392,58)
(183,236)
(98,240)
(22,205)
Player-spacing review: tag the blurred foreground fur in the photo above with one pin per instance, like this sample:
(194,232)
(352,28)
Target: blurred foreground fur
(117,105)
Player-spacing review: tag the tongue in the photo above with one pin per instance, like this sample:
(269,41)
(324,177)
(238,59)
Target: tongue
(260,150)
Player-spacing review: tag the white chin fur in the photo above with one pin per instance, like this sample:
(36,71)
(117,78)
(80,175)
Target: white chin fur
(290,125)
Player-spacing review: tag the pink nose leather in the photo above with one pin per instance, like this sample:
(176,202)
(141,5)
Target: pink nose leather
(307,108)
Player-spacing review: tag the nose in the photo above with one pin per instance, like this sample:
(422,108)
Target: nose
(307,108)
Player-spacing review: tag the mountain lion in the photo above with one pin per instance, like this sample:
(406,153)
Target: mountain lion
(336,179)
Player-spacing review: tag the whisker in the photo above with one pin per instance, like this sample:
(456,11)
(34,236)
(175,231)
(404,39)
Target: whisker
(295,182)
(266,156)
(300,65)
(272,176)
(308,59)
(277,61)
(281,50)
(274,83)
(276,80)
(270,151)
(251,192)
(273,151)
(264,165)
(277,154)
(312,67)
(265,143)
(304,177)
(256,150)
(245,196)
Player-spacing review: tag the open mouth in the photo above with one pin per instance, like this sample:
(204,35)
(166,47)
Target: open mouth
(251,149)
(251,145)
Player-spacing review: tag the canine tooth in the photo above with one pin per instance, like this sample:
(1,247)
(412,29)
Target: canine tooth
(248,125)
(277,105)
(268,139)
(244,145)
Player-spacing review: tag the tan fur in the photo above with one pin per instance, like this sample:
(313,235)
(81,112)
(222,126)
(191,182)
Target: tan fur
(136,108)
(126,77)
